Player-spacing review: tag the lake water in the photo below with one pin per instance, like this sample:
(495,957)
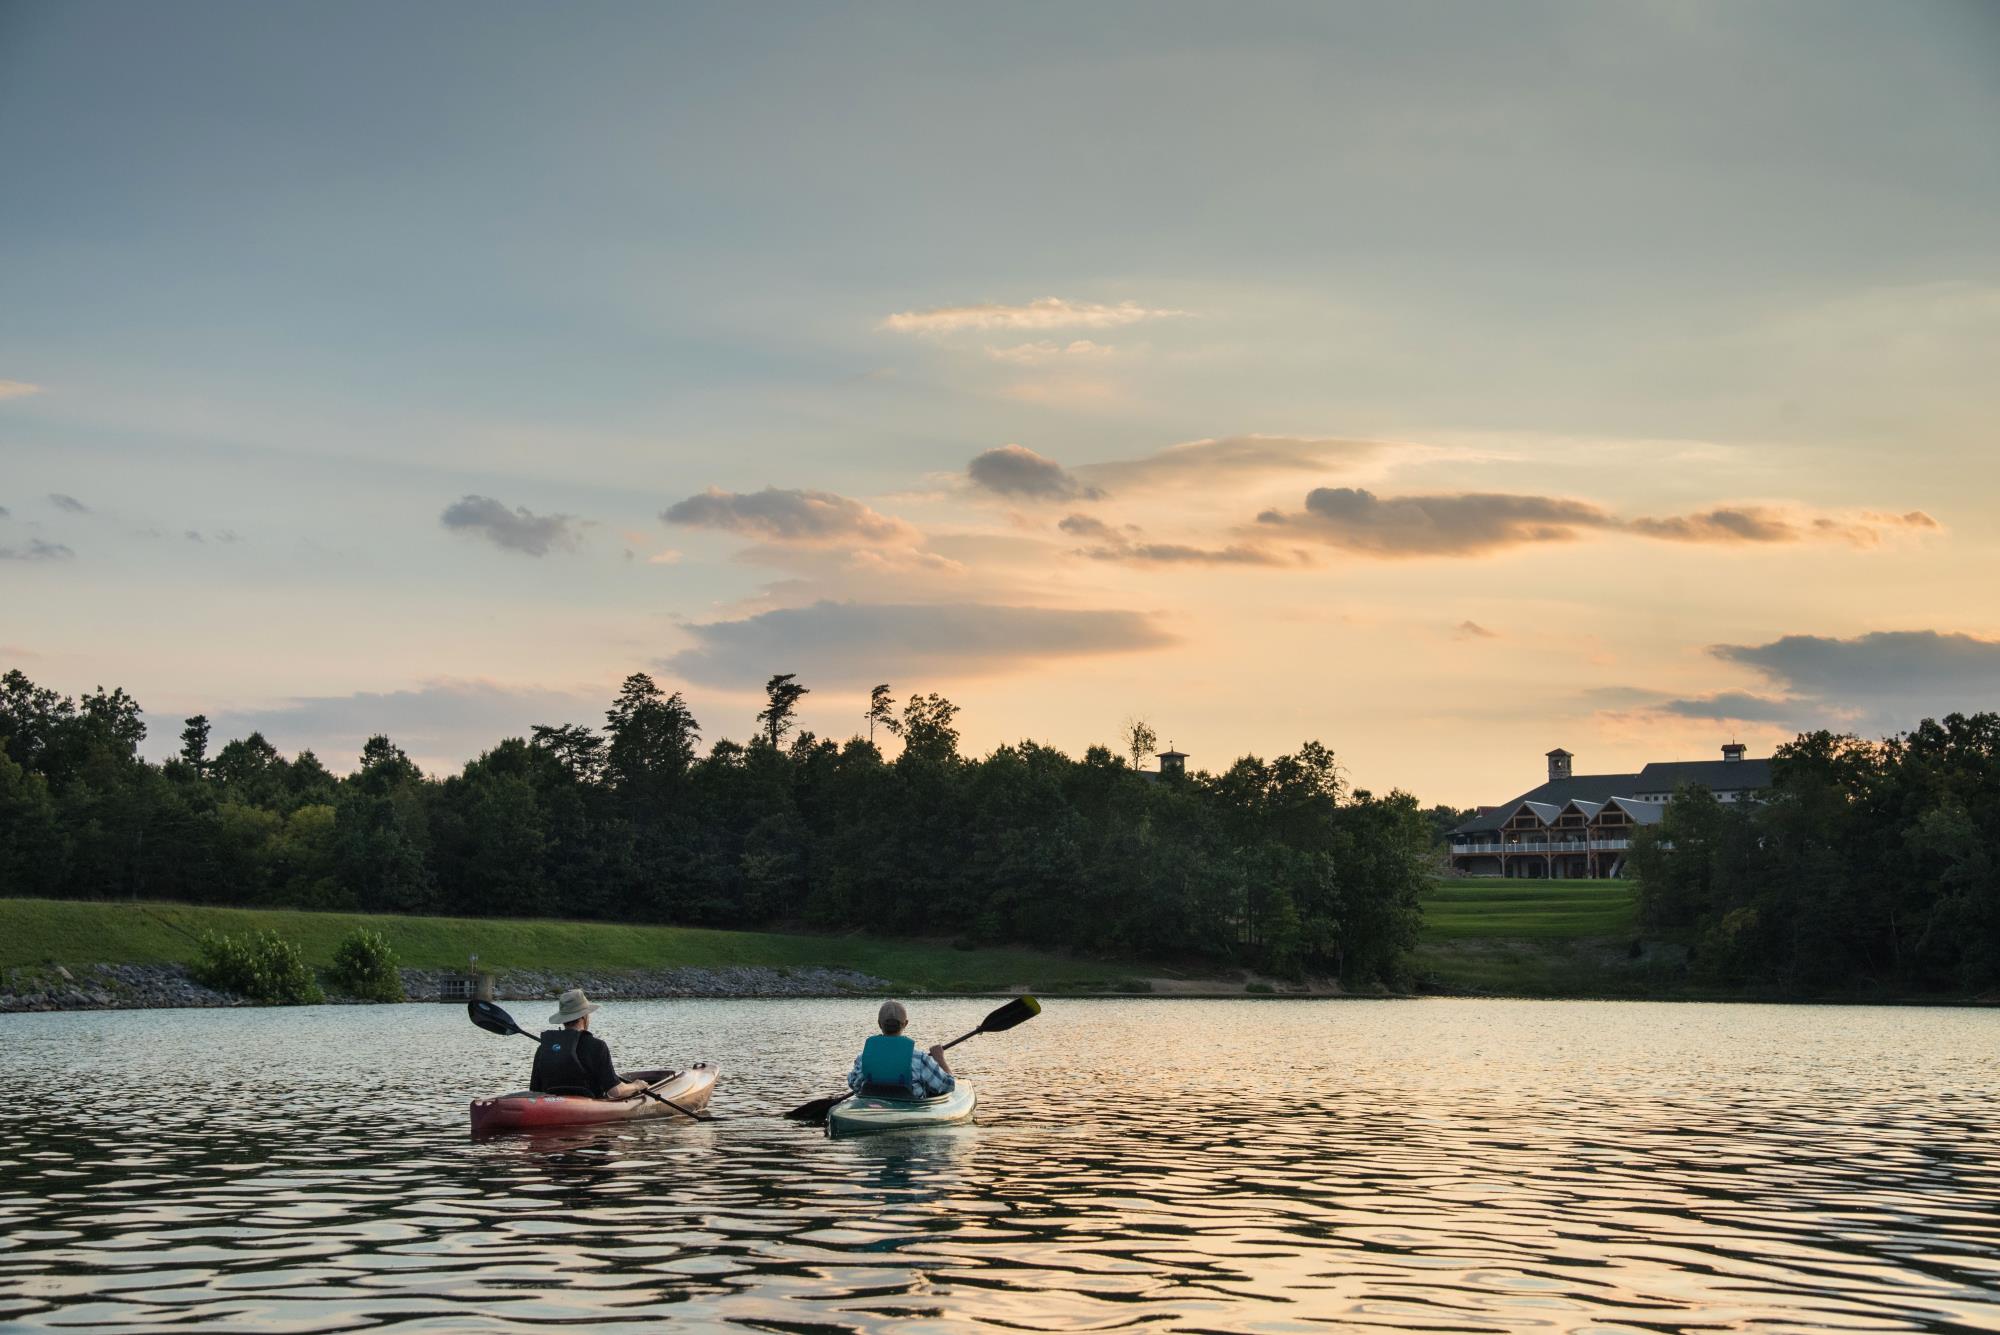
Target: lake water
(1151,1165)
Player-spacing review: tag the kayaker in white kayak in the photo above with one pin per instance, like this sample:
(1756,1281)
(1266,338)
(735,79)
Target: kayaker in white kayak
(572,1060)
(891,1064)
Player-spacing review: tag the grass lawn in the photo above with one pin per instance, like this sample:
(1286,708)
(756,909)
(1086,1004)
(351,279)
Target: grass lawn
(1495,907)
(46,931)
(1541,939)
(1520,938)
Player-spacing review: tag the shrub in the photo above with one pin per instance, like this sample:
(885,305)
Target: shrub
(264,967)
(1259,989)
(365,967)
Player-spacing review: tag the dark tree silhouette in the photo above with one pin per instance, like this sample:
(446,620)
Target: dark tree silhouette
(194,743)
(1269,865)
(882,710)
(782,693)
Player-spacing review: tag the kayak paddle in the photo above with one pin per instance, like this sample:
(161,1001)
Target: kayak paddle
(1018,1011)
(496,1021)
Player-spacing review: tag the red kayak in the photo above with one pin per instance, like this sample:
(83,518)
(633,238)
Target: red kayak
(524,1111)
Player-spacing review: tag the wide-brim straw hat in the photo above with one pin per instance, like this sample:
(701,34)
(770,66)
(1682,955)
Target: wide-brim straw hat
(572,1005)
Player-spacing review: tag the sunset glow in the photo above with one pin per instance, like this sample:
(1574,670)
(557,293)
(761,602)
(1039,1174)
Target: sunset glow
(1444,384)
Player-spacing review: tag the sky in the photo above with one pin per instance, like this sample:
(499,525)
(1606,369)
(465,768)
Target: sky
(1442,382)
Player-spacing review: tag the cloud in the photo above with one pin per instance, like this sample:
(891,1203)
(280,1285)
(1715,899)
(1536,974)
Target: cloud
(1043,313)
(441,724)
(1740,707)
(1123,544)
(804,518)
(1472,630)
(1085,526)
(860,643)
(1948,670)
(1463,525)
(17,389)
(1752,523)
(516,530)
(1173,553)
(1878,683)
(4,512)
(1015,470)
(37,550)
(1034,354)
(1226,459)
(69,503)
(1473,523)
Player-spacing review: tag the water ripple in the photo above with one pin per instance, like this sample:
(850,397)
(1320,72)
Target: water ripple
(1194,1166)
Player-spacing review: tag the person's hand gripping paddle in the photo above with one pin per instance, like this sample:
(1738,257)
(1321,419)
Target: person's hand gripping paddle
(1018,1011)
(496,1021)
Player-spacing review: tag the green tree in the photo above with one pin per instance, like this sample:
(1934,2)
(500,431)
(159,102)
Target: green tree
(576,748)
(382,835)
(1140,740)
(194,743)
(1284,936)
(364,966)
(929,737)
(250,769)
(652,743)
(32,858)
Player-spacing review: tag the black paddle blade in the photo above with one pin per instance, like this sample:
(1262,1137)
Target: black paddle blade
(492,1019)
(1018,1011)
(817,1110)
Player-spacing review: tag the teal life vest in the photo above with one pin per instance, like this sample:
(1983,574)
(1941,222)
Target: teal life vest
(885,1059)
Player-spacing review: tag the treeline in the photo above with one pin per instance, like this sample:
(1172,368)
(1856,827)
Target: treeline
(1872,866)
(1273,864)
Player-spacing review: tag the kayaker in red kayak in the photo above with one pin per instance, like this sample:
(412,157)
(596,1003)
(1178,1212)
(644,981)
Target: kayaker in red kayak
(890,1062)
(572,1060)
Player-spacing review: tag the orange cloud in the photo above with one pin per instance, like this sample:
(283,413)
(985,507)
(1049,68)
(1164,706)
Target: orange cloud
(1474,523)
(1041,314)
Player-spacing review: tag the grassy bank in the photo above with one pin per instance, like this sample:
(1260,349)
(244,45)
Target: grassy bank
(1538,910)
(1543,938)
(1509,938)
(45,931)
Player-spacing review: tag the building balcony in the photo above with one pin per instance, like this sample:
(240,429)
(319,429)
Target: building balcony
(1494,848)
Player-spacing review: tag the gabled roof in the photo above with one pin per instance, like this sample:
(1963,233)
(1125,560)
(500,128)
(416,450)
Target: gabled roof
(1642,813)
(1590,792)
(1588,787)
(1718,776)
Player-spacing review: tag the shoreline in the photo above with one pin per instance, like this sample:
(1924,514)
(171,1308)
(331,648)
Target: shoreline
(1475,947)
(167,986)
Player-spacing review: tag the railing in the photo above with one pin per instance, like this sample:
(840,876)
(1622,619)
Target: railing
(1467,848)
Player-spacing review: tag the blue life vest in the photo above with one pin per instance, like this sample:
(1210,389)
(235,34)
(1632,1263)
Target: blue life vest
(885,1059)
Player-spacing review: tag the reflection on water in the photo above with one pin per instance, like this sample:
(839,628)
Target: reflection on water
(1271,1166)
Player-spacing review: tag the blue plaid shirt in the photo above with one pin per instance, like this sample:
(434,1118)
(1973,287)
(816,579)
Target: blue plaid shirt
(926,1076)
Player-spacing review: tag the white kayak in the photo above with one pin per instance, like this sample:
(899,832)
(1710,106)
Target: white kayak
(871,1112)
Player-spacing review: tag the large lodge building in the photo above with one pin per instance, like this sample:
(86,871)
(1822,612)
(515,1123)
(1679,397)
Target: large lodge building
(1579,825)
